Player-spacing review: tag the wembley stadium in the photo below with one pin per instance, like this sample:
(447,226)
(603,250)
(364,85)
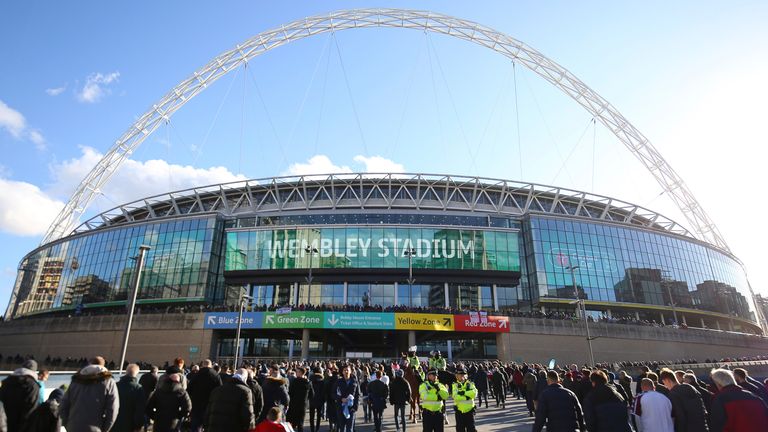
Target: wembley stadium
(372,264)
(367,265)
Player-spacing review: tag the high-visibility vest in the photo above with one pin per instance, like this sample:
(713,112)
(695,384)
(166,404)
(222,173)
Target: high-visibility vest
(432,395)
(437,363)
(465,403)
(413,361)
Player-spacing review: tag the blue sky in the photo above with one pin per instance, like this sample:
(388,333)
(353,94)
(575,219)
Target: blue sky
(689,75)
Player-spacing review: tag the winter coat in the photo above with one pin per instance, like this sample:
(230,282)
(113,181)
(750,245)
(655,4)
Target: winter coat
(275,394)
(688,409)
(606,411)
(529,380)
(737,410)
(318,390)
(378,392)
(132,405)
(230,408)
(560,410)
(480,378)
(45,418)
(91,402)
(345,388)
(19,394)
(757,390)
(270,426)
(517,378)
(200,387)
(148,382)
(330,396)
(257,395)
(168,405)
(541,384)
(497,380)
(400,391)
(299,392)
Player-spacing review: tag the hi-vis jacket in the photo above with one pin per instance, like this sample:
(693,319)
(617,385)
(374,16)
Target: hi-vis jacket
(465,402)
(432,395)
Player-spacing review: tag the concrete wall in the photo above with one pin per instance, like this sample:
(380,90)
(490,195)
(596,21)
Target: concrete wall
(154,338)
(161,337)
(540,340)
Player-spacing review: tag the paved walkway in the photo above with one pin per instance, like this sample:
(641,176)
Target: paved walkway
(514,418)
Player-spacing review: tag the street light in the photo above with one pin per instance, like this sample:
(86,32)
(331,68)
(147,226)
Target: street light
(311,250)
(410,253)
(243,297)
(583,311)
(136,281)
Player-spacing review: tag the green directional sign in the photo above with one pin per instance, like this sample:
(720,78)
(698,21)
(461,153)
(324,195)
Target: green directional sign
(359,320)
(293,320)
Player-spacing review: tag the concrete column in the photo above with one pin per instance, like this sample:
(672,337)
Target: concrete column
(305,344)
(608,313)
(447,302)
(543,309)
(495,298)
(290,349)
(702,323)
(503,350)
(411,338)
(717,323)
(661,314)
(396,299)
(684,322)
(450,350)
(730,325)
(637,315)
(345,293)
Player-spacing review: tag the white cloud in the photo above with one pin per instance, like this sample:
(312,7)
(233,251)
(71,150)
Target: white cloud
(322,164)
(55,91)
(378,164)
(15,123)
(97,86)
(25,210)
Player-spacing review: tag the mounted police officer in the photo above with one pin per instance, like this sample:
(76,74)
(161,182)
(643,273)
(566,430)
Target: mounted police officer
(464,393)
(433,394)
(412,359)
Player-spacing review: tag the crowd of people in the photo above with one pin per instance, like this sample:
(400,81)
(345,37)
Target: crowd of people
(269,396)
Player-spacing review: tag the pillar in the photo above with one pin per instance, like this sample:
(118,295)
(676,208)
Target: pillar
(503,348)
(608,313)
(637,315)
(730,325)
(661,315)
(450,350)
(305,344)
(397,300)
(495,298)
(702,323)
(684,322)
(345,293)
(290,349)
(717,323)
(445,294)
(411,338)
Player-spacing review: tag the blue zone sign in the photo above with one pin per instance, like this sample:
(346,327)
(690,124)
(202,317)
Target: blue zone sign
(228,320)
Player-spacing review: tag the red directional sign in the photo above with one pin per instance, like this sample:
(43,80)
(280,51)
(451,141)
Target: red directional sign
(493,324)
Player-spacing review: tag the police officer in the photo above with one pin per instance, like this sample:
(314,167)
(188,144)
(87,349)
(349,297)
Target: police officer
(437,362)
(464,393)
(413,360)
(432,396)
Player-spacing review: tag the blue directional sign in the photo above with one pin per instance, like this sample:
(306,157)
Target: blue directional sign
(359,320)
(228,320)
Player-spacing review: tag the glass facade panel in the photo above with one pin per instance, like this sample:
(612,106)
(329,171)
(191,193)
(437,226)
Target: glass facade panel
(367,247)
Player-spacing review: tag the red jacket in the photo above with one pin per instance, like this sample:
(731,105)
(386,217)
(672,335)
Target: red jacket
(737,410)
(517,378)
(269,426)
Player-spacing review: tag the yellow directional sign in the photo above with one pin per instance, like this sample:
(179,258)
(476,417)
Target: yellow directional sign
(439,322)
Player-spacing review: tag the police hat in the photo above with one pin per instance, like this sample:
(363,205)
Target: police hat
(460,371)
(432,372)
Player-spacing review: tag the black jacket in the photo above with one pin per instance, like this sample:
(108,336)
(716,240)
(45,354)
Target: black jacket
(168,405)
(688,409)
(345,388)
(200,387)
(275,394)
(497,379)
(378,392)
(480,378)
(230,408)
(133,404)
(148,382)
(330,396)
(318,390)
(605,411)
(257,396)
(299,392)
(399,391)
(19,394)
(560,410)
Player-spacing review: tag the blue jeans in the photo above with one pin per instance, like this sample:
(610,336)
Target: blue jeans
(345,424)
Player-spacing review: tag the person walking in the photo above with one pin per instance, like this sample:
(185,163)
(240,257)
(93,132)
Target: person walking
(432,394)
(230,407)
(332,376)
(497,381)
(299,392)
(19,394)
(517,381)
(148,381)
(558,408)
(317,401)
(687,404)
(347,395)
(378,392)
(529,381)
(481,383)
(735,409)
(91,402)
(750,384)
(604,408)
(275,389)
(169,404)
(652,411)
(45,418)
(273,422)
(464,393)
(257,394)
(200,387)
(399,395)
(130,416)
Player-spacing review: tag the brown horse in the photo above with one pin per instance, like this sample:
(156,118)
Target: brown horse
(414,380)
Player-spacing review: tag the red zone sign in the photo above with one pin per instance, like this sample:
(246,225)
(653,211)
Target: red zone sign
(493,324)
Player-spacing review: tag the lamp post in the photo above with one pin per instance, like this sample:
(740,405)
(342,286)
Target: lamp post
(311,250)
(243,299)
(410,253)
(583,310)
(135,286)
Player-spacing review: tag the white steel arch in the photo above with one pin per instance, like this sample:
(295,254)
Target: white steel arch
(517,51)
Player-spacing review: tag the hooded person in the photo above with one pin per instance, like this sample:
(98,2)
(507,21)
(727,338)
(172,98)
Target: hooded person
(91,402)
(200,387)
(45,418)
(19,394)
(169,404)
(275,390)
(230,407)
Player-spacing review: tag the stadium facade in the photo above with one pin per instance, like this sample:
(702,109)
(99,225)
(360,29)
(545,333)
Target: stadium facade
(371,263)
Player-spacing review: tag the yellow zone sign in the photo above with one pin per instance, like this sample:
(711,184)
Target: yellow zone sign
(411,321)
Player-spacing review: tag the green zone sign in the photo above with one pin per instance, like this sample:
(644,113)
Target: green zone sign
(372,247)
(293,320)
